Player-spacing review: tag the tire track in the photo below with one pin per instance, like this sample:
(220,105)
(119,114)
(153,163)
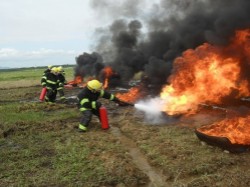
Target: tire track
(156,177)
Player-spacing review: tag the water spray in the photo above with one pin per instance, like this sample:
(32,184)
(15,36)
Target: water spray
(152,106)
(152,109)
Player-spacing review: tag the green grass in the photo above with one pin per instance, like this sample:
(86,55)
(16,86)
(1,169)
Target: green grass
(49,154)
(22,75)
(40,145)
(27,77)
(29,74)
(33,112)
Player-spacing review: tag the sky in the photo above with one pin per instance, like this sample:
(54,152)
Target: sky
(45,32)
(53,32)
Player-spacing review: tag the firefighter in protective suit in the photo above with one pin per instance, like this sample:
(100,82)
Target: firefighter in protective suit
(50,81)
(48,69)
(61,82)
(88,104)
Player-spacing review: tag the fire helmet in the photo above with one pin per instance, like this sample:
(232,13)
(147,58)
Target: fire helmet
(60,69)
(50,66)
(54,70)
(94,85)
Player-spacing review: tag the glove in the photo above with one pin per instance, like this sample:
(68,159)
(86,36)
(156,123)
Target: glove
(121,103)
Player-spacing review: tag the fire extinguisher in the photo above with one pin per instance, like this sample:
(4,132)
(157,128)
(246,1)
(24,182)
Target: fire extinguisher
(104,117)
(43,93)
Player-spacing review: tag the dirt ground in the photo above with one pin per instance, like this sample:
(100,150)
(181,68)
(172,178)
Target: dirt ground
(152,154)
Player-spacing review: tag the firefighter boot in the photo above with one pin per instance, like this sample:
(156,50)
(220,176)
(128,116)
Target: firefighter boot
(82,128)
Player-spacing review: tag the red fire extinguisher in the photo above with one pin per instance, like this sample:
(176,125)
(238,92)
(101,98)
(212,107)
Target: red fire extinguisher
(43,93)
(104,117)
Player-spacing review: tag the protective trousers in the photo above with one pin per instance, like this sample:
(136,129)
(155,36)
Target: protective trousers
(51,95)
(87,116)
(61,93)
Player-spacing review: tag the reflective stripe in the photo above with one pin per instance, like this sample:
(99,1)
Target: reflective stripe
(82,127)
(83,109)
(84,101)
(112,97)
(59,88)
(93,104)
(101,93)
(51,82)
(44,83)
(44,77)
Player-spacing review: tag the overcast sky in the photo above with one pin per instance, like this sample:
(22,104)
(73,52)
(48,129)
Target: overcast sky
(42,32)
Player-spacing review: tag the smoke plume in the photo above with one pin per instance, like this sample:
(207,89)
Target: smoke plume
(148,37)
(89,64)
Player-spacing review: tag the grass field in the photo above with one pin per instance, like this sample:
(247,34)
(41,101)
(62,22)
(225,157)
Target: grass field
(40,145)
(27,77)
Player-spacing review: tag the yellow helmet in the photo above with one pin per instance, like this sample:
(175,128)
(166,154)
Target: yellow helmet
(50,66)
(59,68)
(94,85)
(54,70)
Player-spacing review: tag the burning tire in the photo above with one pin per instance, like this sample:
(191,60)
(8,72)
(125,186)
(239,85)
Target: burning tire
(222,142)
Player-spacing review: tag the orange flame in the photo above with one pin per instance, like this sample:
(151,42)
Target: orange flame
(207,74)
(236,130)
(131,96)
(77,80)
(107,74)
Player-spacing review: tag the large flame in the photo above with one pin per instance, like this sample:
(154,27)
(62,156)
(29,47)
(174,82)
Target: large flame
(236,129)
(207,74)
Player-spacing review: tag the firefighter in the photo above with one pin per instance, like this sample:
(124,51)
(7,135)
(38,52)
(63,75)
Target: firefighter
(61,82)
(50,81)
(48,69)
(88,104)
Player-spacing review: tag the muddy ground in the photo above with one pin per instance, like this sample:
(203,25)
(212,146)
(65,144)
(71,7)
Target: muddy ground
(145,153)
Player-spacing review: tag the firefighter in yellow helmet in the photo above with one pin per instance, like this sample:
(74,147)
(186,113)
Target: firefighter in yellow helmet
(61,82)
(88,102)
(48,69)
(50,81)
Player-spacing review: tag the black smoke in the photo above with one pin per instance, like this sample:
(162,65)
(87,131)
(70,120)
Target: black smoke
(89,65)
(149,41)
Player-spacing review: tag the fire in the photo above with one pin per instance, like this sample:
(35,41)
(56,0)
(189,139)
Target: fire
(108,72)
(77,80)
(131,96)
(208,74)
(235,129)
